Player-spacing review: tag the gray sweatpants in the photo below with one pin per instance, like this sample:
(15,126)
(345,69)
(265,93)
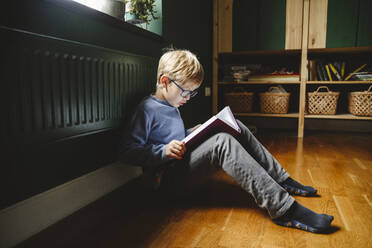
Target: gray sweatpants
(243,158)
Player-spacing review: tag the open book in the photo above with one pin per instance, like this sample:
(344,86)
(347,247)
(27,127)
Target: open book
(224,121)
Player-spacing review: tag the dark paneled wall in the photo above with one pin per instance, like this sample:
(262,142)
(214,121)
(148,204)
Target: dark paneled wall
(63,88)
(62,105)
(67,86)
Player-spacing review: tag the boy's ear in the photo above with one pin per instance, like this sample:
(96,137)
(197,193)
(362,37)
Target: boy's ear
(164,80)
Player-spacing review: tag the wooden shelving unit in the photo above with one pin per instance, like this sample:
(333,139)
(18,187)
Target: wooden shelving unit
(222,54)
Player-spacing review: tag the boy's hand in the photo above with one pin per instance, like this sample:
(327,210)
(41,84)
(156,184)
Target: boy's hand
(193,129)
(175,149)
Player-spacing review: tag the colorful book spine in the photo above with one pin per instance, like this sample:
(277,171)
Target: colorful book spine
(343,69)
(335,72)
(328,73)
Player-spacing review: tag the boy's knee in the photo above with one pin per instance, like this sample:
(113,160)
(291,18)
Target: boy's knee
(221,143)
(223,137)
(224,141)
(249,129)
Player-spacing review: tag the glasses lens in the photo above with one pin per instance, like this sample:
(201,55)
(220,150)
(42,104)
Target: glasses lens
(187,93)
(193,93)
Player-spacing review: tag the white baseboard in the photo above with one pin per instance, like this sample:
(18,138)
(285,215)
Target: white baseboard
(28,217)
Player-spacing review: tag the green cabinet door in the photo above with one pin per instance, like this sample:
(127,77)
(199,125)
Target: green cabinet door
(364,37)
(258,25)
(342,23)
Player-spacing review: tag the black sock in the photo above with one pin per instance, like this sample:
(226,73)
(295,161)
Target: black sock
(289,181)
(301,214)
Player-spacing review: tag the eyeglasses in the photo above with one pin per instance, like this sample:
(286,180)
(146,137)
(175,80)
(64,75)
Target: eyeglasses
(185,93)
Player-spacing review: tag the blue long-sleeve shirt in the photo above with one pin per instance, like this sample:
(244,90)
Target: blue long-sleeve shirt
(154,124)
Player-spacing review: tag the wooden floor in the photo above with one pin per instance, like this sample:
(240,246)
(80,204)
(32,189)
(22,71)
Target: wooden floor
(222,215)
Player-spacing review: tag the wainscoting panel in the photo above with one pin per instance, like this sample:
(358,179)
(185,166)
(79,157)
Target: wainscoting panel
(60,88)
(55,90)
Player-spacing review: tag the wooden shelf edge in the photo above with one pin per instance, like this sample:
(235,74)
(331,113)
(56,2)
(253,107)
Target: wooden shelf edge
(263,52)
(295,82)
(339,117)
(311,51)
(339,50)
(289,115)
(258,82)
(339,82)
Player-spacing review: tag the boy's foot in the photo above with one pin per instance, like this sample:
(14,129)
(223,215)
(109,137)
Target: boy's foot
(303,218)
(295,188)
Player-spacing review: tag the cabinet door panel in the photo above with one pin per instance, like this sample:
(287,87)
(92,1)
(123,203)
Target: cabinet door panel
(271,29)
(342,22)
(365,23)
(245,25)
(259,24)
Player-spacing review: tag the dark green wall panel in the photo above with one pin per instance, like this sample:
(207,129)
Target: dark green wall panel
(56,45)
(188,24)
(259,24)
(365,23)
(62,103)
(245,25)
(271,31)
(342,23)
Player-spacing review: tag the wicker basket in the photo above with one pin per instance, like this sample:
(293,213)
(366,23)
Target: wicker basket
(360,103)
(323,103)
(272,102)
(239,102)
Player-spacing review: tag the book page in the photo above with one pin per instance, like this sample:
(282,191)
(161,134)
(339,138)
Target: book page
(196,131)
(227,116)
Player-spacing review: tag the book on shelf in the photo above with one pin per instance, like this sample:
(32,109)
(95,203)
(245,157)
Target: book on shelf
(313,73)
(277,77)
(335,71)
(355,71)
(319,75)
(224,121)
(328,72)
(362,76)
(343,69)
(321,71)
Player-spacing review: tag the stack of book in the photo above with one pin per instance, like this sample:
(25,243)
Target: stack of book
(260,73)
(275,77)
(341,71)
(362,76)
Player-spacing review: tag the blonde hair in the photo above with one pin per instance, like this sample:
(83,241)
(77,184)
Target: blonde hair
(180,65)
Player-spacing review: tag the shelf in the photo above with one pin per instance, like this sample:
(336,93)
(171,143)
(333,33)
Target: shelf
(291,56)
(289,115)
(295,82)
(298,59)
(339,82)
(339,116)
(341,50)
(258,82)
(263,52)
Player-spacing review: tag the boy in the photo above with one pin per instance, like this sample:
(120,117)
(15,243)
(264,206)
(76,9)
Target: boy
(153,141)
